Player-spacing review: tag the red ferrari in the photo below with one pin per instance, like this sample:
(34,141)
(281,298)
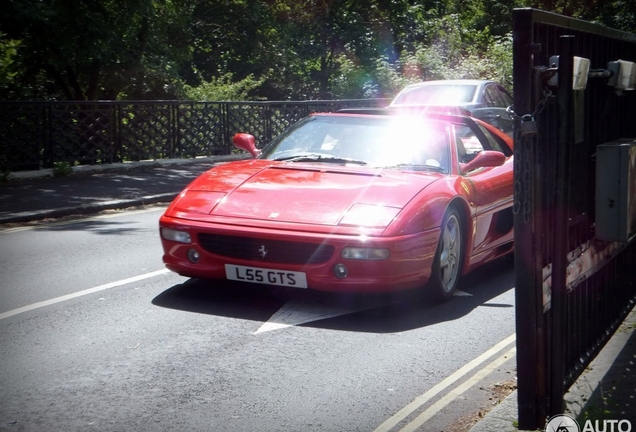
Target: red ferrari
(355,201)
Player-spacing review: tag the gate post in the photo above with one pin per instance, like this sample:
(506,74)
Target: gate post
(559,244)
(531,367)
(570,287)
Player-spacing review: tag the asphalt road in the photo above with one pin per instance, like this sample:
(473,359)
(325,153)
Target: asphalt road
(96,335)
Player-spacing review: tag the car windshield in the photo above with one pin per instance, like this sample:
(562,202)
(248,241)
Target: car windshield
(446,94)
(401,142)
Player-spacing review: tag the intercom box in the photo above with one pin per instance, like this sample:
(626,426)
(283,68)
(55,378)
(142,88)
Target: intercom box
(616,190)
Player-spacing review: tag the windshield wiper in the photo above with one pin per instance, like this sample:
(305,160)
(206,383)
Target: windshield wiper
(416,167)
(320,158)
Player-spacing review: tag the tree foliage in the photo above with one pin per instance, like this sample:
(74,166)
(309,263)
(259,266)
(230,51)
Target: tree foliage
(86,50)
(223,88)
(8,65)
(261,49)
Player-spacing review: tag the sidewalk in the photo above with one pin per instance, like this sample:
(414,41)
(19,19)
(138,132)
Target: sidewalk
(35,195)
(606,390)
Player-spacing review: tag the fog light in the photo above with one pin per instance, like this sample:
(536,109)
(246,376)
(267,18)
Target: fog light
(193,256)
(340,270)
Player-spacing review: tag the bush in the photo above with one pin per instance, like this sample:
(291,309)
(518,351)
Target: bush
(222,89)
(62,169)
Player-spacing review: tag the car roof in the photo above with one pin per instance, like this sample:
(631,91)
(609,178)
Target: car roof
(396,111)
(476,82)
(401,99)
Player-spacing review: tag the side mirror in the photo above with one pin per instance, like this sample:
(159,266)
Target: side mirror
(486,158)
(246,142)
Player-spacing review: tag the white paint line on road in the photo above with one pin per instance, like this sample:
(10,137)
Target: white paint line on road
(66,297)
(302,309)
(391,422)
(457,391)
(460,293)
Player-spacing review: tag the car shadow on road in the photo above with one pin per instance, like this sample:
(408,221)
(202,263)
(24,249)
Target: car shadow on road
(378,313)
(224,298)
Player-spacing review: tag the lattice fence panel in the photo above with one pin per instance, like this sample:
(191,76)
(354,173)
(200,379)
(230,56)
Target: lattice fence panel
(22,139)
(82,133)
(35,135)
(283,116)
(201,131)
(249,118)
(146,131)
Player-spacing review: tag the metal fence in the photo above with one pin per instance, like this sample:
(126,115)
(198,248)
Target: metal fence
(36,135)
(572,289)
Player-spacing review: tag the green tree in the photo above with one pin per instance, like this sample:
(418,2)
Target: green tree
(617,14)
(223,88)
(261,49)
(8,65)
(85,50)
(229,36)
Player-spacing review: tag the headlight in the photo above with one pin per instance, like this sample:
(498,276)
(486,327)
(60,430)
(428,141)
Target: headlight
(371,254)
(369,215)
(175,235)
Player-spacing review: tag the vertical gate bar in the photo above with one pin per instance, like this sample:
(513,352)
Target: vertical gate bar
(225,126)
(528,303)
(268,124)
(560,238)
(176,151)
(119,143)
(48,121)
(112,133)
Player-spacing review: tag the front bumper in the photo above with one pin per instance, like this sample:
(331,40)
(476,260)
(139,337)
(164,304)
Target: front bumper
(408,265)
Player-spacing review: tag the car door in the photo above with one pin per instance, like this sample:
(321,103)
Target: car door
(496,112)
(490,189)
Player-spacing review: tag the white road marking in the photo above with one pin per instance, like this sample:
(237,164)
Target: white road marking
(391,422)
(60,299)
(457,391)
(302,309)
(460,293)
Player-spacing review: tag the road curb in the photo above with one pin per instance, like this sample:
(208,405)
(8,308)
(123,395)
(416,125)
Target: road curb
(126,166)
(78,173)
(32,216)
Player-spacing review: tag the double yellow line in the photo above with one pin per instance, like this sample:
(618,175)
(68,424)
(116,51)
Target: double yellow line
(419,401)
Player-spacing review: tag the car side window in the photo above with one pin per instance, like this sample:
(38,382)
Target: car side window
(505,97)
(468,145)
(493,96)
(495,142)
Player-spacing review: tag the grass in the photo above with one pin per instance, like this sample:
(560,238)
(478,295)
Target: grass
(62,169)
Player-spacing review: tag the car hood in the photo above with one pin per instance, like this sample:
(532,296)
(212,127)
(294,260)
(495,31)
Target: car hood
(296,192)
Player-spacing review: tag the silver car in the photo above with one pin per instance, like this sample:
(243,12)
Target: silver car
(483,99)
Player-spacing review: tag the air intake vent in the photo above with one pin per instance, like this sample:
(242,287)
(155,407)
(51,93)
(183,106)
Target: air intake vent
(273,251)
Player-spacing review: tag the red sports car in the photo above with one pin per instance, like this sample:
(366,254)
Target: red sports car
(370,200)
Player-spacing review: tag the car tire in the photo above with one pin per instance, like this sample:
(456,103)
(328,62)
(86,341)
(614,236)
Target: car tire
(448,259)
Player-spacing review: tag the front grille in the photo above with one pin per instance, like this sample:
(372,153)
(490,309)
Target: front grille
(274,251)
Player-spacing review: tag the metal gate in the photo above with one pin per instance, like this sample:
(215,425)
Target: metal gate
(572,288)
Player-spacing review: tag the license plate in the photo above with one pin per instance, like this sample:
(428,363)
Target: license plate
(266,276)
